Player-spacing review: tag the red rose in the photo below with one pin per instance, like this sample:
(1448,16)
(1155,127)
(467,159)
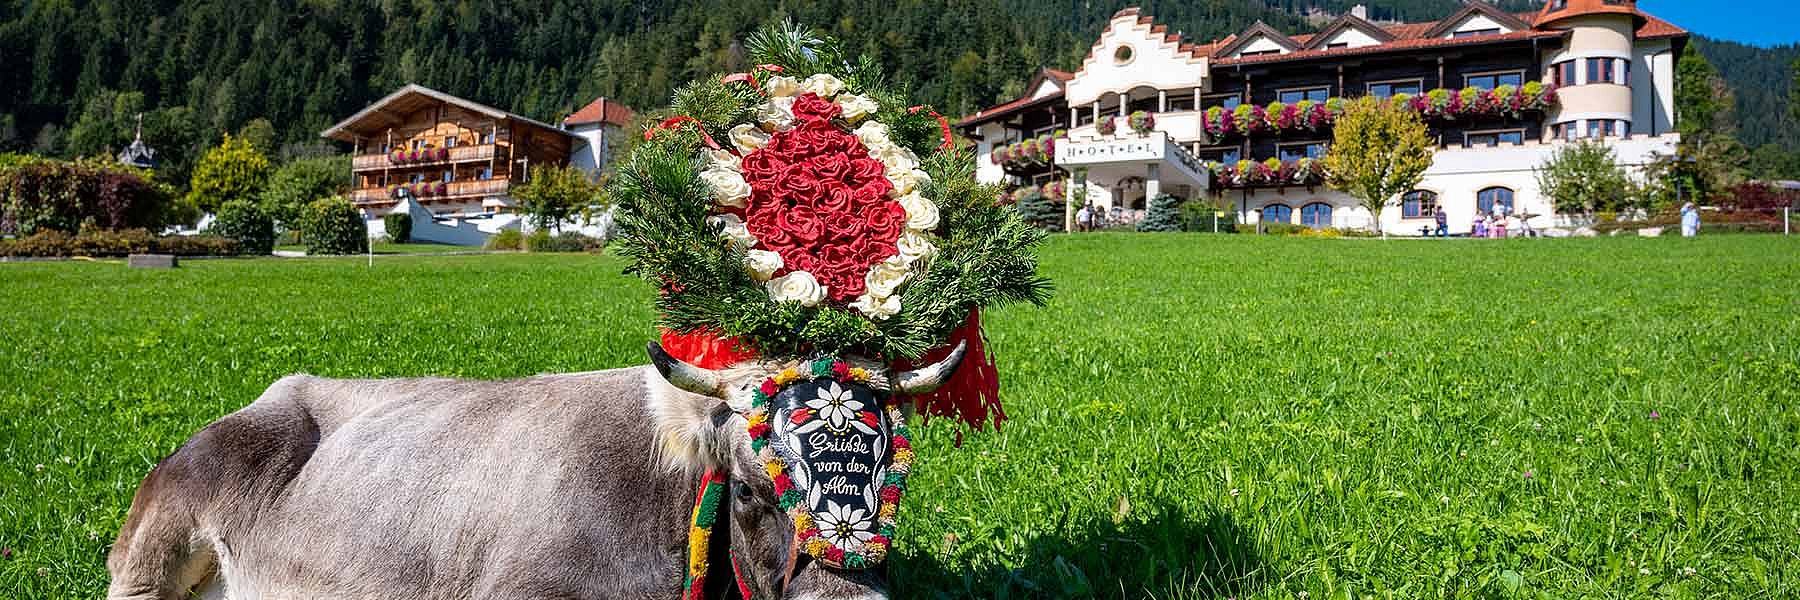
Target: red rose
(833,167)
(885,221)
(843,226)
(802,222)
(868,169)
(810,106)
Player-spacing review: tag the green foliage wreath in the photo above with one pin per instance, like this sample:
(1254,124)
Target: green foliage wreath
(984,253)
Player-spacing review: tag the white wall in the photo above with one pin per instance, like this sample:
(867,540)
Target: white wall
(592,155)
(1156,62)
(1653,88)
(1478,22)
(1352,36)
(1261,44)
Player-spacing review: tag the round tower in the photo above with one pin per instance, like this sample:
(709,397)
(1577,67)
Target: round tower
(1594,70)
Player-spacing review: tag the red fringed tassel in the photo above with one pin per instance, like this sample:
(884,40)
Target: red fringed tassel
(973,392)
(705,349)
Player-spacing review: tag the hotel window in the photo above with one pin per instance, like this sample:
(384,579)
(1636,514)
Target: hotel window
(1488,81)
(484,174)
(1600,70)
(1387,89)
(1224,101)
(1316,215)
(1418,204)
(1563,131)
(1277,213)
(1318,94)
(450,142)
(448,175)
(1599,128)
(1084,116)
(1493,138)
(1227,155)
(1476,32)
(1564,75)
(1181,101)
(1487,199)
(1312,150)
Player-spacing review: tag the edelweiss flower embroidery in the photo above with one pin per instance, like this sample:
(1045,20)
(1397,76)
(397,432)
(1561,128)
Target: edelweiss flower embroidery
(845,527)
(838,408)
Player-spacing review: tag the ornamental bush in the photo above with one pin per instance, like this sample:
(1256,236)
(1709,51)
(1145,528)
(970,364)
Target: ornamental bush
(507,239)
(399,227)
(1041,212)
(39,194)
(568,241)
(332,226)
(246,223)
(1162,213)
(1198,216)
(233,170)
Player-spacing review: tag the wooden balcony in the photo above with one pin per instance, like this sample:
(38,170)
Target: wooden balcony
(455,190)
(459,154)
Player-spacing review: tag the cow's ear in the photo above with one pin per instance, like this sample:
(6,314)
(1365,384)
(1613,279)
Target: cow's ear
(694,433)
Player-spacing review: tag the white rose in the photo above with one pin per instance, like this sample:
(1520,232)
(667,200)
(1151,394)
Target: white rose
(733,229)
(729,187)
(777,113)
(781,86)
(873,134)
(886,277)
(895,157)
(762,264)
(748,138)
(907,181)
(921,213)
(878,308)
(857,106)
(914,247)
(798,286)
(823,84)
(724,159)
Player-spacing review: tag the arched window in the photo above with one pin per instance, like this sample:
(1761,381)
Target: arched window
(1418,204)
(1485,200)
(1316,215)
(1277,213)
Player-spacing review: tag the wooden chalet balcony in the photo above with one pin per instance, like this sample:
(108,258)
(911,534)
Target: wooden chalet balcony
(459,154)
(455,190)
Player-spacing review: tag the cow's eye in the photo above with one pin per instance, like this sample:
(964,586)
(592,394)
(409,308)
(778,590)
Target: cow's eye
(741,489)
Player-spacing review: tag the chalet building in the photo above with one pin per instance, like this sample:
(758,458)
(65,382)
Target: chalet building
(1244,120)
(453,157)
(599,125)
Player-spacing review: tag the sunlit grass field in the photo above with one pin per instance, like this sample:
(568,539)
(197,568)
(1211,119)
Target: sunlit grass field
(1191,417)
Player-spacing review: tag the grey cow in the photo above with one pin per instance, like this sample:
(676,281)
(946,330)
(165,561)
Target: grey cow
(557,486)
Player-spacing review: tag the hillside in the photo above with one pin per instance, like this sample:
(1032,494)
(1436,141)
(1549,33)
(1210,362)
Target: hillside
(1760,77)
(203,67)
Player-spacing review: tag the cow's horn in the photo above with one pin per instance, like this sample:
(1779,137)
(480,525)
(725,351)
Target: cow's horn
(927,378)
(685,376)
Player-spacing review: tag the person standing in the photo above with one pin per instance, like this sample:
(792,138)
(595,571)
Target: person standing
(1443,222)
(1084,218)
(1478,228)
(1690,220)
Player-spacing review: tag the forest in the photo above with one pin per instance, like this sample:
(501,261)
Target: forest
(197,69)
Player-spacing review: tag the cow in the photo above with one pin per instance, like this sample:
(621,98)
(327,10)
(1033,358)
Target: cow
(549,487)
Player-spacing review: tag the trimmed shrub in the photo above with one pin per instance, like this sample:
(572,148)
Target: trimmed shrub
(39,194)
(332,226)
(52,243)
(568,241)
(399,227)
(247,223)
(507,239)
(1197,216)
(1163,213)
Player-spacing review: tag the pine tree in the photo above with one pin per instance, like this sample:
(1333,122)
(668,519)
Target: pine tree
(1162,214)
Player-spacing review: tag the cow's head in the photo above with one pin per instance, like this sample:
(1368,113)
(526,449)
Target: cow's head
(824,437)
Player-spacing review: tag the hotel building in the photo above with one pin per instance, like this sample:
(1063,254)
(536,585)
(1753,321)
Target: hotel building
(1499,91)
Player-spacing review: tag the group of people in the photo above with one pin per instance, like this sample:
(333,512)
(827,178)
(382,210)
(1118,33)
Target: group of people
(1089,217)
(1496,224)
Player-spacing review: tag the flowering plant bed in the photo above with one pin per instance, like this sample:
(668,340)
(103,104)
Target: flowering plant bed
(1141,123)
(1269,173)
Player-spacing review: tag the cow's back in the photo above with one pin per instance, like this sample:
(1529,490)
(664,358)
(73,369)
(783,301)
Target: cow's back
(438,488)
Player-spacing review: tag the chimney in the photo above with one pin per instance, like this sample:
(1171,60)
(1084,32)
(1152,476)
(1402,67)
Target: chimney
(1359,11)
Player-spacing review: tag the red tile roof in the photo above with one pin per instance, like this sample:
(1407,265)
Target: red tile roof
(601,110)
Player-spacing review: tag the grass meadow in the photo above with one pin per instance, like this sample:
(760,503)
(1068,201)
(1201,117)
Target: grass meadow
(1191,417)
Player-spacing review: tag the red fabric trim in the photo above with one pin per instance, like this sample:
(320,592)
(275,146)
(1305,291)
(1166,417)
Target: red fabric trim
(973,392)
(748,78)
(706,349)
(737,573)
(943,124)
(673,122)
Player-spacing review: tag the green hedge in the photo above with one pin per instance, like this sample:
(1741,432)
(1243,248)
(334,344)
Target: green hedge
(507,239)
(568,241)
(399,227)
(247,223)
(332,226)
(117,243)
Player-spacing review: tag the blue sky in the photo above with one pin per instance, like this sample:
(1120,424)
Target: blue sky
(1758,22)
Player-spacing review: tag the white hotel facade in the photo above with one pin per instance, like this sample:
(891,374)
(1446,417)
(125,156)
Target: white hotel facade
(1611,67)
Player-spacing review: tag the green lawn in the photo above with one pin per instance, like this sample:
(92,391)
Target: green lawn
(392,248)
(1192,416)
